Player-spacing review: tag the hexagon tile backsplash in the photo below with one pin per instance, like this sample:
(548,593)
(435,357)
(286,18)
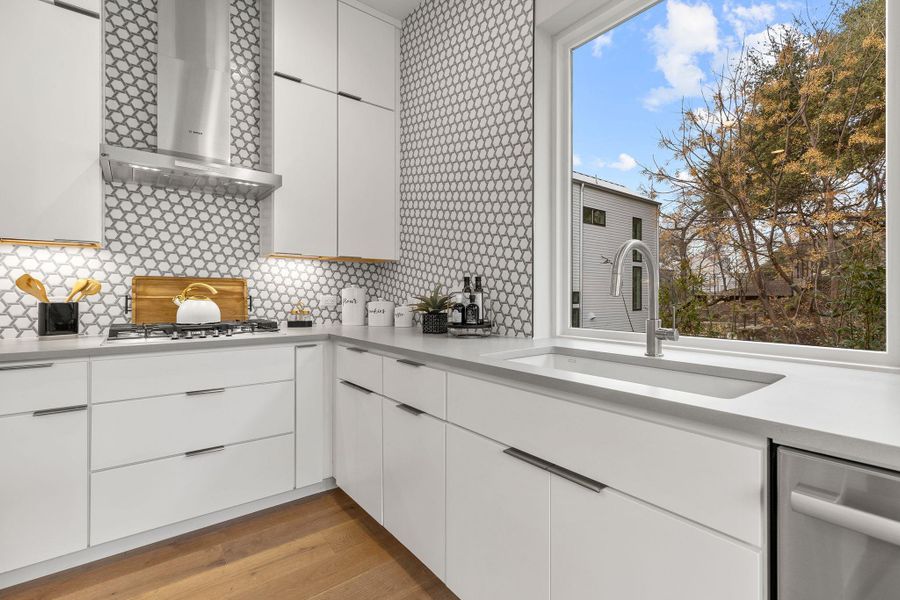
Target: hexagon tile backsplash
(466,177)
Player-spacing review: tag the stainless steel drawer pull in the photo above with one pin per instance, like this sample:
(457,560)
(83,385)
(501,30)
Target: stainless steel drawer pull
(411,409)
(204,392)
(300,347)
(58,411)
(357,350)
(411,363)
(288,77)
(585,482)
(818,505)
(204,451)
(350,96)
(22,367)
(358,388)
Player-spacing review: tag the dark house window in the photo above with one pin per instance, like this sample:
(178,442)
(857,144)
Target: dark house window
(593,216)
(637,233)
(637,289)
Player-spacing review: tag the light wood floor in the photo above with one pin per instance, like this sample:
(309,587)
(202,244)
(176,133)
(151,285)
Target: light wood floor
(323,547)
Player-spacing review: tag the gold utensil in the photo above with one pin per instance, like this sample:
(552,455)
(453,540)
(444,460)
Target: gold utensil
(79,286)
(32,287)
(92,288)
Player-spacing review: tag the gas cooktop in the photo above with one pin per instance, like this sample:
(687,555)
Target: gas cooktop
(175,331)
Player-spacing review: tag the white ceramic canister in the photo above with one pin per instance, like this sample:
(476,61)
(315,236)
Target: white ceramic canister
(403,314)
(381,313)
(353,306)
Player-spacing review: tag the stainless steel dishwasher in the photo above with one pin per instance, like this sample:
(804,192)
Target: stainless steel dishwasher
(838,529)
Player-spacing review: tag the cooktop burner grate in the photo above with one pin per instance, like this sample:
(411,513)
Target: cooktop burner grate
(176,331)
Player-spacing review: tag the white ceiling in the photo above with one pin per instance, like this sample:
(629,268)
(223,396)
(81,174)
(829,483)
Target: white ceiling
(395,8)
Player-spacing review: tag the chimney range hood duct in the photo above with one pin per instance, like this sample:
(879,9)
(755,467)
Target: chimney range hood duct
(193,109)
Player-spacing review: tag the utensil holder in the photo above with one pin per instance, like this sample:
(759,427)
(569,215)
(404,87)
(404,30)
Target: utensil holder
(57,318)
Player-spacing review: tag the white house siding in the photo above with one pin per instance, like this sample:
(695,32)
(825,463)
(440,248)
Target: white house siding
(598,246)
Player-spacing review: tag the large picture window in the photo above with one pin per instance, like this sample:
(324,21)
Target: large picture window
(746,144)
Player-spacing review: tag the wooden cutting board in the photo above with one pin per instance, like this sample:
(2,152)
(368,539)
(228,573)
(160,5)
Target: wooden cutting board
(151,297)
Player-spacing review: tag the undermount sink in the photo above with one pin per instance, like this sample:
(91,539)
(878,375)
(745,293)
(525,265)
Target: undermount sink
(717,382)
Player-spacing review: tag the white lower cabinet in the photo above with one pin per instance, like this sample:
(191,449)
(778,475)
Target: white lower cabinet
(498,522)
(358,438)
(141,497)
(43,486)
(309,362)
(608,545)
(414,482)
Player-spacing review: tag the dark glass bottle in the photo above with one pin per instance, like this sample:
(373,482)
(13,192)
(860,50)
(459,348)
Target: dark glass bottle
(458,313)
(479,298)
(467,285)
(472,315)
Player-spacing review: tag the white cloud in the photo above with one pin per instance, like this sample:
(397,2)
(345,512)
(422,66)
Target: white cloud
(625,162)
(601,42)
(743,17)
(576,161)
(691,30)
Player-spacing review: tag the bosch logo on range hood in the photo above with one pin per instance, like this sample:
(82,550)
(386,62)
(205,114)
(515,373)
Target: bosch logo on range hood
(193,109)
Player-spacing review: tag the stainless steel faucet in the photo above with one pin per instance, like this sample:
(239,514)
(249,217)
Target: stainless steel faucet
(655,333)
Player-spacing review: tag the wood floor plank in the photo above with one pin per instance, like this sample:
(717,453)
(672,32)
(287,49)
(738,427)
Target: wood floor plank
(323,548)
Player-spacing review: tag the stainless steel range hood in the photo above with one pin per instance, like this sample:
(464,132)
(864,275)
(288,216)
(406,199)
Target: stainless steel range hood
(193,109)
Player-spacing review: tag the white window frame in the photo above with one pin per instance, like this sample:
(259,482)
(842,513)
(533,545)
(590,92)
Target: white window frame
(611,13)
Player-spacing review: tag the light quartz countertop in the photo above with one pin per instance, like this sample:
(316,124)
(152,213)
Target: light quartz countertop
(847,412)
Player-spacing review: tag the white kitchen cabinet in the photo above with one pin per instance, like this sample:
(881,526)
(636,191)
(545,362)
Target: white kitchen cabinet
(417,385)
(305,44)
(367,56)
(43,486)
(301,217)
(358,446)
(608,545)
(498,522)
(41,385)
(414,480)
(137,430)
(50,123)
(309,363)
(367,188)
(141,497)
(190,372)
(358,365)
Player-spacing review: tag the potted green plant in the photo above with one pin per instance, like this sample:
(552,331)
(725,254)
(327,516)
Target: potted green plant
(434,310)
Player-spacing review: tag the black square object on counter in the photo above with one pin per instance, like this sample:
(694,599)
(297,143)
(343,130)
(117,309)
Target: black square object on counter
(57,318)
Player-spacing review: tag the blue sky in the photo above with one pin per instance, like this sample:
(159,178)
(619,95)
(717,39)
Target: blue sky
(628,84)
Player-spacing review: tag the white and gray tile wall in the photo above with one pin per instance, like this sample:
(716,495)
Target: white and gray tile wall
(466,137)
(466,176)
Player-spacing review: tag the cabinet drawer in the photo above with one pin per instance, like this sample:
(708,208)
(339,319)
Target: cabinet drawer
(708,480)
(359,366)
(28,387)
(161,374)
(137,430)
(604,544)
(413,383)
(141,497)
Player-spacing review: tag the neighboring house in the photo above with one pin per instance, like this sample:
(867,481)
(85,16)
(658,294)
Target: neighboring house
(604,216)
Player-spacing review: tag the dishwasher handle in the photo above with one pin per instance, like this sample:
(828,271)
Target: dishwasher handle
(825,507)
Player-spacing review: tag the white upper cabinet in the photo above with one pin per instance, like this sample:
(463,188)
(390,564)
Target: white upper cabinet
(367,57)
(50,123)
(301,217)
(305,45)
(367,196)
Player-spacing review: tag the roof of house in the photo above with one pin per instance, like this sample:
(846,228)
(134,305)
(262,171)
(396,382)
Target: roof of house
(611,186)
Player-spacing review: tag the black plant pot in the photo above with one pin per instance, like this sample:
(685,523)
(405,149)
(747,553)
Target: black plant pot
(434,322)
